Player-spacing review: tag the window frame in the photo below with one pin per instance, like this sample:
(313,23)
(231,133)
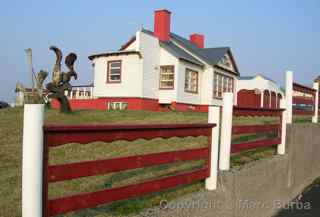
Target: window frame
(173,79)
(108,72)
(221,77)
(197,83)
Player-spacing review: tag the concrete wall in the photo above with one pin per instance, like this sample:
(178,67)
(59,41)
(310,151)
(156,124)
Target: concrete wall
(259,187)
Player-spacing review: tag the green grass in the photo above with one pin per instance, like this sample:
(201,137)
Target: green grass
(10,158)
(302,119)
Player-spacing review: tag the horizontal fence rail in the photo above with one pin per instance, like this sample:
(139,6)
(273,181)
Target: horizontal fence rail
(302,112)
(57,135)
(245,129)
(304,105)
(303,89)
(87,200)
(302,100)
(99,167)
(241,111)
(254,129)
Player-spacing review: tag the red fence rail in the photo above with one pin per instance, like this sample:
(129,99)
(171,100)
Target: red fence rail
(302,102)
(57,135)
(250,129)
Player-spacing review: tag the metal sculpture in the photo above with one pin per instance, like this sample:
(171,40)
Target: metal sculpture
(60,80)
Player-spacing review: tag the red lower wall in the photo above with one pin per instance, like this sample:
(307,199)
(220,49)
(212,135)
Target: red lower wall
(184,107)
(248,98)
(133,104)
(87,104)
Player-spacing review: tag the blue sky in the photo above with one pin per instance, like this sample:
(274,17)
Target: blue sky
(266,37)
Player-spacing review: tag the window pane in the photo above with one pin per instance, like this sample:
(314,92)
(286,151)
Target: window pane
(225,83)
(230,85)
(115,71)
(187,80)
(115,64)
(114,77)
(191,81)
(219,85)
(215,85)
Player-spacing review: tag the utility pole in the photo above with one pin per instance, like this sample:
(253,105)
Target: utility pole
(30,66)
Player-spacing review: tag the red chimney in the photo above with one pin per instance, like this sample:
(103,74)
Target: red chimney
(198,40)
(162,24)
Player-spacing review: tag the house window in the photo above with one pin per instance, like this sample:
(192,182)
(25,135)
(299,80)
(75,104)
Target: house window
(215,83)
(221,84)
(114,71)
(166,77)
(191,81)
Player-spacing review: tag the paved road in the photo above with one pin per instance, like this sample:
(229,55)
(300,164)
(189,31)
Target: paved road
(309,199)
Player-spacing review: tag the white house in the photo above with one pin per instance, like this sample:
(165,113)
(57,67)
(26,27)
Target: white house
(157,70)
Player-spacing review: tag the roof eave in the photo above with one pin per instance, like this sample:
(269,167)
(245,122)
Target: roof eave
(91,57)
(229,71)
(192,62)
(128,43)
(233,61)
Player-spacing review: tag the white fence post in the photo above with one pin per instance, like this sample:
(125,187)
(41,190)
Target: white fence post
(316,109)
(226,131)
(289,95)
(281,149)
(214,118)
(32,157)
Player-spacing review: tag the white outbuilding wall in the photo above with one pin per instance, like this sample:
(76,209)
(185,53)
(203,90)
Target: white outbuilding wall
(131,77)
(258,82)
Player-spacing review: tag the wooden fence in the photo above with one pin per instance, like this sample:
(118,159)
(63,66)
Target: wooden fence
(35,181)
(251,129)
(57,135)
(228,129)
(304,100)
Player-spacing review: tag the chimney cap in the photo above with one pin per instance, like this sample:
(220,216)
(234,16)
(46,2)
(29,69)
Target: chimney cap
(163,10)
(197,34)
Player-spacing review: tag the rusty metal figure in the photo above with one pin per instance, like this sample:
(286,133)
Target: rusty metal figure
(60,80)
